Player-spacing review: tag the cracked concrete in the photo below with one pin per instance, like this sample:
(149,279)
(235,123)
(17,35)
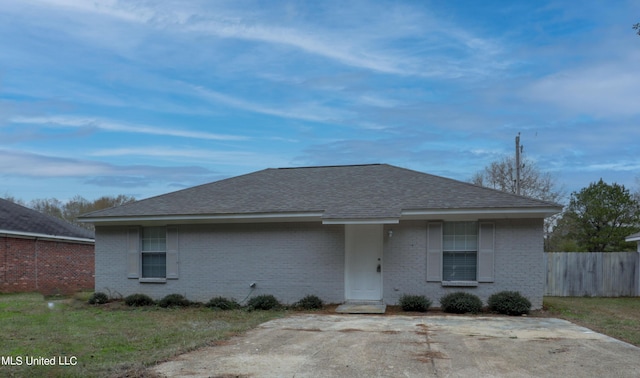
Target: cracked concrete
(411,346)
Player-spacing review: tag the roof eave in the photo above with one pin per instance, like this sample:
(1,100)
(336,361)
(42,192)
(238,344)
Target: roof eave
(34,235)
(317,216)
(205,218)
(361,221)
(480,213)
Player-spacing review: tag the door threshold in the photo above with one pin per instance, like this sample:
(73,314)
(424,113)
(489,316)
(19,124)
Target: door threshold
(362,307)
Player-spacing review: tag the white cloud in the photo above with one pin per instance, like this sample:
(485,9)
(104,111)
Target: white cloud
(27,164)
(367,38)
(600,89)
(306,111)
(111,8)
(211,157)
(632,166)
(107,125)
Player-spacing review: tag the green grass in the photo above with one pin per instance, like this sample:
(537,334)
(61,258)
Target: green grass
(108,340)
(615,317)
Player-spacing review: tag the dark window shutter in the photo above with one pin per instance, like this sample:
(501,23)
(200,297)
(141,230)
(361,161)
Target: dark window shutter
(434,251)
(133,252)
(486,248)
(172,253)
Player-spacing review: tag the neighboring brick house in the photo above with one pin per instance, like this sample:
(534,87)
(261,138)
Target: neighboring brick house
(41,253)
(343,233)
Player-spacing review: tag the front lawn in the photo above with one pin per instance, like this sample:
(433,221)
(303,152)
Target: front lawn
(616,317)
(115,340)
(107,340)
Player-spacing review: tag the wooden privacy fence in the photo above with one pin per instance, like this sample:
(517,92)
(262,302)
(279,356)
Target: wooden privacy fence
(596,274)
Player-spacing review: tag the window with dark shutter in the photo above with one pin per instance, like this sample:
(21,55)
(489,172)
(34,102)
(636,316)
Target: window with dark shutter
(154,252)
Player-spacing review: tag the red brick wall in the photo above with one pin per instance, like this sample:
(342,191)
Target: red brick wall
(49,267)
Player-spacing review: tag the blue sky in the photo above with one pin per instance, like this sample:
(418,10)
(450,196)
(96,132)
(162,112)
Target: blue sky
(144,97)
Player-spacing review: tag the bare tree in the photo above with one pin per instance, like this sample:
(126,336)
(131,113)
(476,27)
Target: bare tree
(13,199)
(501,175)
(74,207)
(49,206)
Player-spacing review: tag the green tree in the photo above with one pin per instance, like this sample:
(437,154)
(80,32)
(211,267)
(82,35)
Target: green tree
(601,216)
(562,238)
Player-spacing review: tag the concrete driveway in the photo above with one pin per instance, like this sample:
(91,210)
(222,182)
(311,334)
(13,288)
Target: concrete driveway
(411,346)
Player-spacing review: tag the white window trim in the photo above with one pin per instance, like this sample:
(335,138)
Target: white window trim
(485,269)
(135,253)
(152,280)
(461,282)
(153,252)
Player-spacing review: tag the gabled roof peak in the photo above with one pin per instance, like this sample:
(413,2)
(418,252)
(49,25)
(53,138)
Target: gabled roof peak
(333,166)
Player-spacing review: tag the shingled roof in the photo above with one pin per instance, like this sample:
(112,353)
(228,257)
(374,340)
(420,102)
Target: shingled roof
(16,220)
(330,193)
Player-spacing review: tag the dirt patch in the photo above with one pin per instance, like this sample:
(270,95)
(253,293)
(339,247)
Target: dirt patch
(347,330)
(303,329)
(430,355)
(422,329)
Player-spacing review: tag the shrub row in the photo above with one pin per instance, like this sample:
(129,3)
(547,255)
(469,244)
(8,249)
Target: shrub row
(504,302)
(260,302)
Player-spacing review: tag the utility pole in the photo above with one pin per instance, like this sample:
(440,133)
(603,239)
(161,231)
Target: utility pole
(518,151)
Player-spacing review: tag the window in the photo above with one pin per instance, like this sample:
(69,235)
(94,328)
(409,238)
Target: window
(459,251)
(154,252)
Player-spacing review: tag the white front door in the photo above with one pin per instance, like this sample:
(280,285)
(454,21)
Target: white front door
(363,262)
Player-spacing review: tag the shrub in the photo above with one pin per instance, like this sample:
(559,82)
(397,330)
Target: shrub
(418,303)
(509,303)
(222,303)
(137,300)
(174,300)
(310,302)
(98,298)
(263,302)
(461,303)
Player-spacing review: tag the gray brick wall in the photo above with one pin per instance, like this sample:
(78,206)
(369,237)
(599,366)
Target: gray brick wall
(292,260)
(286,260)
(518,262)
